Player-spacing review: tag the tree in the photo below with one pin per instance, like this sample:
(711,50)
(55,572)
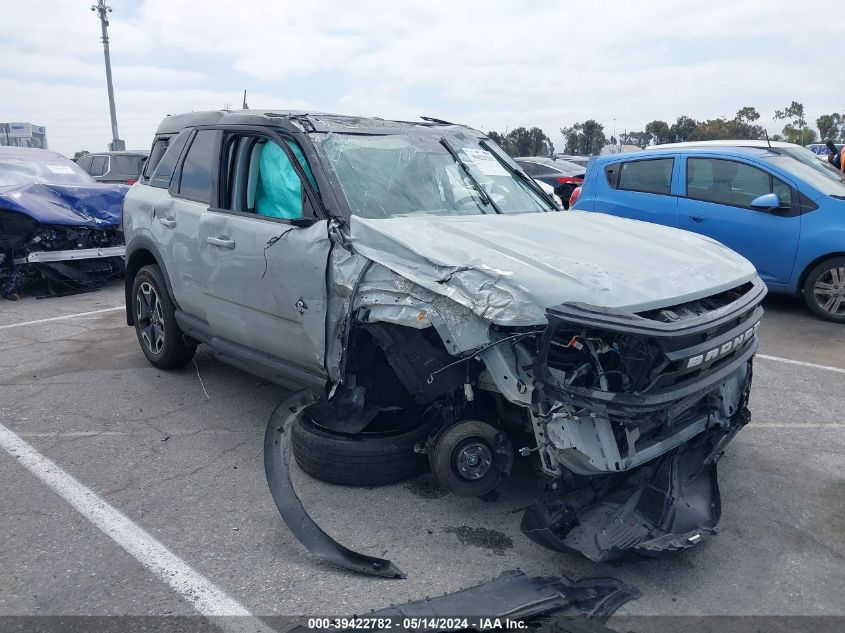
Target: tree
(795,130)
(799,135)
(80,154)
(743,124)
(831,127)
(659,131)
(682,129)
(524,142)
(584,139)
(640,139)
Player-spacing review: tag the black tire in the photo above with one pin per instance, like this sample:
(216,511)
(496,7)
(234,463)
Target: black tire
(830,271)
(357,460)
(161,340)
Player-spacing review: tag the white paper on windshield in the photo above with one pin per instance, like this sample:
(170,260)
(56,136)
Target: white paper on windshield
(485,162)
(61,169)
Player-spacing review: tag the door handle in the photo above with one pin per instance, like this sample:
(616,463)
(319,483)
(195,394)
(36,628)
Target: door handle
(168,222)
(697,218)
(222,243)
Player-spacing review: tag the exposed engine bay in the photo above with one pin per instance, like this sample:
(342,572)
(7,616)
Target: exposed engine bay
(62,259)
(622,415)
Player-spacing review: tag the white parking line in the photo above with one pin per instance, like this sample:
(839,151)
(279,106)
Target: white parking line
(61,318)
(208,599)
(801,363)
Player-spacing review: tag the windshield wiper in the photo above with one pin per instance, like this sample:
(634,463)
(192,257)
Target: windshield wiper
(515,172)
(483,194)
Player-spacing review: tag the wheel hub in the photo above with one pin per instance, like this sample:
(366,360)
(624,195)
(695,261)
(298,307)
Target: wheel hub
(471,457)
(473,460)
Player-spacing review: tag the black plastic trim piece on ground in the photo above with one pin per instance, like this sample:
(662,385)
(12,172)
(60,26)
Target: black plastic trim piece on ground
(277,457)
(585,604)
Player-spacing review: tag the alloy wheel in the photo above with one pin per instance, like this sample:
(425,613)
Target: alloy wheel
(829,291)
(150,318)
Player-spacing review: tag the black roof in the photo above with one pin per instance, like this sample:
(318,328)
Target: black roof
(309,121)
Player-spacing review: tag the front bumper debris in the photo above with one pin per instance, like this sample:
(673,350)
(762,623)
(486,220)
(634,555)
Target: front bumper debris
(277,468)
(669,504)
(526,603)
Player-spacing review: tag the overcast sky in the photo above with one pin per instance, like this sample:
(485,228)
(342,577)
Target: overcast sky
(490,65)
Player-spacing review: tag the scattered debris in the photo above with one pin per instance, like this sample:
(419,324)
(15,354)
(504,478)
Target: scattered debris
(527,603)
(202,384)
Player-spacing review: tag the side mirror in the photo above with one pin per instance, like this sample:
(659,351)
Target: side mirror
(766,201)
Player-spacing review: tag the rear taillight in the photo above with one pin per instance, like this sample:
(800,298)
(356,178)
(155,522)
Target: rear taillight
(131,181)
(563,180)
(574,197)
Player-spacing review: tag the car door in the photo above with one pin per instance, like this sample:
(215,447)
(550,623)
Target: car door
(266,250)
(640,188)
(184,189)
(717,203)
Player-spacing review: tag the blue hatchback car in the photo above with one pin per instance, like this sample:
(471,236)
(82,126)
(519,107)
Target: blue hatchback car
(778,205)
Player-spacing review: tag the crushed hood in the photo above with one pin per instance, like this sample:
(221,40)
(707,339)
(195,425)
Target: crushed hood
(510,268)
(96,206)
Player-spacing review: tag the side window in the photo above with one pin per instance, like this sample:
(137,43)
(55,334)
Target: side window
(157,151)
(783,191)
(85,163)
(262,180)
(731,182)
(99,165)
(647,176)
(532,169)
(200,162)
(164,171)
(611,173)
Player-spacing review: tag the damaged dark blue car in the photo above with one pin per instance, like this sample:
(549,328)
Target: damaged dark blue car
(58,226)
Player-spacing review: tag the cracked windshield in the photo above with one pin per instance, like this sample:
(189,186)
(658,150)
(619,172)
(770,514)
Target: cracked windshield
(401,175)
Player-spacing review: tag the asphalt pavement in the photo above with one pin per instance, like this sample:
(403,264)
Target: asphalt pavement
(178,455)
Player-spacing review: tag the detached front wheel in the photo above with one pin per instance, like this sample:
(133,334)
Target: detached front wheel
(159,335)
(824,290)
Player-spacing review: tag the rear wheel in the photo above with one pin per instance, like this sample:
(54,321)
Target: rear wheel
(159,335)
(824,289)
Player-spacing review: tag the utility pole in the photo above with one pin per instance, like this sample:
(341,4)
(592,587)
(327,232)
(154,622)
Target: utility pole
(103,10)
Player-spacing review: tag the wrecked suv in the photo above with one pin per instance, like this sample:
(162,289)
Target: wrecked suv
(438,309)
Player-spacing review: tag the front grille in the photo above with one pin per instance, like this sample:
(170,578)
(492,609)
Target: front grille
(598,350)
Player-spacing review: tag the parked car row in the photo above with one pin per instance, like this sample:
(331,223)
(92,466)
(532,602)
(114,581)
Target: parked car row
(116,167)
(562,175)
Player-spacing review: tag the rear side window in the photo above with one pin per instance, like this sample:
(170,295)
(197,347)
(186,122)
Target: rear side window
(164,171)
(195,181)
(732,183)
(157,151)
(532,169)
(648,176)
(128,164)
(99,164)
(85,163)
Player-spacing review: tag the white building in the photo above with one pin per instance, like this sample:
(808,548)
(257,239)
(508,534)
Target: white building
(23,135)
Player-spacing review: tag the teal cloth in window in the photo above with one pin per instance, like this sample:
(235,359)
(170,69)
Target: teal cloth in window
(279,192)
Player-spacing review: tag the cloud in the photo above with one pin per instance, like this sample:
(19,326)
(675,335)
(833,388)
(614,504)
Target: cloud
(491,65)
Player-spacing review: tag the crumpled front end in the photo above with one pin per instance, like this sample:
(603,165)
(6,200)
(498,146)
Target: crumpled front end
(632,411)
(67,237)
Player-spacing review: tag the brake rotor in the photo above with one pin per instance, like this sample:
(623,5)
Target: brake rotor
(471,458)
